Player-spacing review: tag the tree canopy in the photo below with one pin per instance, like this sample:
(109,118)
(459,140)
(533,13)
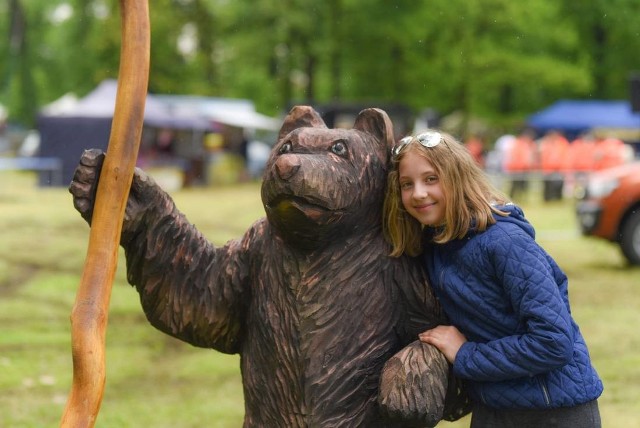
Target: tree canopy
(497,60)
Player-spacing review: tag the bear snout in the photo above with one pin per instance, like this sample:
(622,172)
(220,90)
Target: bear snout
(287,166)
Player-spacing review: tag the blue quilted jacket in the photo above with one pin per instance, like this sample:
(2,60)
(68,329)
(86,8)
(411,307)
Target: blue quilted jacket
(510,299)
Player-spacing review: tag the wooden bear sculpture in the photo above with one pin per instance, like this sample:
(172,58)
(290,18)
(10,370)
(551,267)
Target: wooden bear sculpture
(308,297)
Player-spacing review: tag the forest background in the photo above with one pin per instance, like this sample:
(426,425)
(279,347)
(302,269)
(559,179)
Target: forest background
(493,60)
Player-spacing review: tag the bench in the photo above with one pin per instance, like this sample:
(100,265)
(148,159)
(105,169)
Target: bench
(51,165)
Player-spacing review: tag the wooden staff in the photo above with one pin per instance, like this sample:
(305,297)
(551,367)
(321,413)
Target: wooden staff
(90,311)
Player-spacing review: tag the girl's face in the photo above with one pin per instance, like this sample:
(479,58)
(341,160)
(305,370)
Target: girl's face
(420,189)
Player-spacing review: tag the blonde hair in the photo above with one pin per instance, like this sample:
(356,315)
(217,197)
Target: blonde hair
(470,196)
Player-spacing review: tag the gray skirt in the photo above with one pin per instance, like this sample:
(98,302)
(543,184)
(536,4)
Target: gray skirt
(582,416)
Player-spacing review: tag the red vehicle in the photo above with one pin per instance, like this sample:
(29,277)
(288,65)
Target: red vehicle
(609,208)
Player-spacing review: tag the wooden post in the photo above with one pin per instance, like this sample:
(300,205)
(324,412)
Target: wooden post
(90,312)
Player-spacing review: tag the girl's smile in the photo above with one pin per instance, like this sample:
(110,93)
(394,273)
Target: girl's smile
(420,188)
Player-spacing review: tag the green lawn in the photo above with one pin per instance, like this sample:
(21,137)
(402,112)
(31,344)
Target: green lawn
(156,381)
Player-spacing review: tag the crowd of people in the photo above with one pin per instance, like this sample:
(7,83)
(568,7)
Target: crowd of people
(553,158)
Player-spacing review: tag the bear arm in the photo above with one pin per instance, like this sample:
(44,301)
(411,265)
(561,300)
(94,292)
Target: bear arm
(420,308)
(418,388)
(417,385)
(188,288)
(413,386)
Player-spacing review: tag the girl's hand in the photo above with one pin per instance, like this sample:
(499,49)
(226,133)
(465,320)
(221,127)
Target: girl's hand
(446,338)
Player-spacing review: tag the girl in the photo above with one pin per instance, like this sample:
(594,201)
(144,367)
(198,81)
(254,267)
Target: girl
(512,339)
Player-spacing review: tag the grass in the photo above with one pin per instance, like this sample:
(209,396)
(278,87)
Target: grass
(154,380)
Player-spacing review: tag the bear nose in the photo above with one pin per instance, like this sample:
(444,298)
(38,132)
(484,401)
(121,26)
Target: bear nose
(287,166)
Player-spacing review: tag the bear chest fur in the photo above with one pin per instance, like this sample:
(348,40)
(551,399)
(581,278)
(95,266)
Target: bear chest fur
(319,333)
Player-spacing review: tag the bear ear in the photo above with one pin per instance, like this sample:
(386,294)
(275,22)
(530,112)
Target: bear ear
(376,122)
(301,117)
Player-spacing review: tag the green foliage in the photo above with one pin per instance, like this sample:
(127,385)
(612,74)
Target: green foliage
(493,59)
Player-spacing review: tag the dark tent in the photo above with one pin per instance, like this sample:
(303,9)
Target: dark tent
(573,117)
(65,133)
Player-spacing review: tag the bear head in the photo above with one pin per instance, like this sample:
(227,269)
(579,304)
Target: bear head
(321,184)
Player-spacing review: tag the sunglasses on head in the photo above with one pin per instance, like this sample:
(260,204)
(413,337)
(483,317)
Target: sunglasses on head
(427,139)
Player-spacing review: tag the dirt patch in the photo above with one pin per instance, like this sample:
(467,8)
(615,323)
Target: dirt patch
(17,276)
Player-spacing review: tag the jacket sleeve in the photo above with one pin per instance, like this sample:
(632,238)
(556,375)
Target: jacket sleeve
(188,288)
(546,339)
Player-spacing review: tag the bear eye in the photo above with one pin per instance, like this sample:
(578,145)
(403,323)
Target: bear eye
(286,148)
(339,148)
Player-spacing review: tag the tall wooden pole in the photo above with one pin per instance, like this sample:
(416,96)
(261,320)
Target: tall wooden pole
(90,312)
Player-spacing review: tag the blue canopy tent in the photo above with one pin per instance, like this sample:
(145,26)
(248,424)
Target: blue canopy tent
(573,117)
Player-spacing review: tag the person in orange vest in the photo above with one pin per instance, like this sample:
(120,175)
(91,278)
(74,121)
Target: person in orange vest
(579,161)
(519,162)
(475,146)
(553,150)
(609,152)
(580,157)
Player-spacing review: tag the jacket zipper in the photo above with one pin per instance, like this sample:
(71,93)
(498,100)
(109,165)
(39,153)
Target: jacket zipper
(441,279)
(545,392)
(482,397)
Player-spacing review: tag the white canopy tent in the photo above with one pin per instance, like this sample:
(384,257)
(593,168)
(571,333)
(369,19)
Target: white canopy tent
(236,112)
(70,124)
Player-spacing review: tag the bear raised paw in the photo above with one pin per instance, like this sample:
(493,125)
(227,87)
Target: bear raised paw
(308,297)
